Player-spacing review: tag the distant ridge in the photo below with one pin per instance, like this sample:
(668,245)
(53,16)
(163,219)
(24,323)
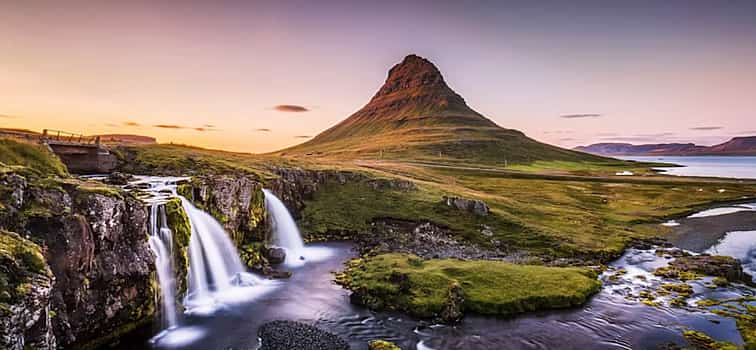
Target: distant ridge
(738,146)
(415,115)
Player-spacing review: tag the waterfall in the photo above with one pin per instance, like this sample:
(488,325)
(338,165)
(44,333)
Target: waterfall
(161,242)
(286,234)
(285,231)
(214,262)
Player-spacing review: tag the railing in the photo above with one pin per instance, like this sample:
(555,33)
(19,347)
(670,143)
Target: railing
(58,136)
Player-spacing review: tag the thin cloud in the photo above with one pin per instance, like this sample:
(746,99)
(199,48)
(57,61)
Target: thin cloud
(705,128)
(6,116)
(583,115)
(263,130)
(302,137)
(135,124)
(291,108)
(209,126)
(169,126)
(747,132)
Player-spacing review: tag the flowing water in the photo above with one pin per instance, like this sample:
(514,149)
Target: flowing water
(615,318)
(286,234)
(161,242)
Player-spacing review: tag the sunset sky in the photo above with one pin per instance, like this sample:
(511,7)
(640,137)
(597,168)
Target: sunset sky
(256,76)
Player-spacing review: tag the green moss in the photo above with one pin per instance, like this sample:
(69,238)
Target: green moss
(179,224)
(382,345)
(185,190)
(21,258)
(251,254)
(682,289)
(419,287)
(720,281)
(701,341)
(31,156)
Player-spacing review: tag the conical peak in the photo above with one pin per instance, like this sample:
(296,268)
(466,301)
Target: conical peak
(413,72)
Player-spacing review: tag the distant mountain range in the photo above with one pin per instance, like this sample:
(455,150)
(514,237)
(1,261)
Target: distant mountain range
(416,116)
(738,146)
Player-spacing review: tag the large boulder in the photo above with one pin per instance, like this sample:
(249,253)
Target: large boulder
(474,206)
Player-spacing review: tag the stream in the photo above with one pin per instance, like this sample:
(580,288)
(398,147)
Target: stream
(615,318)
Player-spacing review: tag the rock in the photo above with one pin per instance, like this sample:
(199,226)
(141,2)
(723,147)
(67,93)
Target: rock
(237,202)
(290,335)
(452,309)
(424,239)
(474,206)
(382,345)
(712,265)
(274,273)
(275,255)
(119,179)
(25,321)
(95,245)
(391,184)
(486,231)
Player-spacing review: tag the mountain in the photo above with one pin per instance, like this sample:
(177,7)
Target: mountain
(737,146)
(415,115)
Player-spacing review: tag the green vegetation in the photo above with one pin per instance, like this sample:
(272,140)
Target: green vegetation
(179,224)
(37,158)
(177,160)
(382,345)
(742,310)
(420,287)
(19,259)
(546,215)
(701,341)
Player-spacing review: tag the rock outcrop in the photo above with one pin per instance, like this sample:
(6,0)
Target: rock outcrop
(294,186)
(474,206)
(94,241)
(424,239)
(237,202)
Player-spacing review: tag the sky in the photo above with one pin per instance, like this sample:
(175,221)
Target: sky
(257,76)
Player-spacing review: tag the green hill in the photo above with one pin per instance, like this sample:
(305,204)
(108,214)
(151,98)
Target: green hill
(416,116)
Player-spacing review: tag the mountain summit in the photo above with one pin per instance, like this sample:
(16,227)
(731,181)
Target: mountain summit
(415,115)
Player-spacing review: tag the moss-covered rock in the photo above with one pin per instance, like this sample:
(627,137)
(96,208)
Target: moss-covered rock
(701,341)
(237,202)
(25,287)
(381,344)
(424,288)
(178,222)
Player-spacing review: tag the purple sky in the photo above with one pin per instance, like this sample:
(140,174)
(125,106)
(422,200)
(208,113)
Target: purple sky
(564,72)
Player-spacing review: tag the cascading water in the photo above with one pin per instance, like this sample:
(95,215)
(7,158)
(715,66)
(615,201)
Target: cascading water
(214,262)
(286,233)
(161,242)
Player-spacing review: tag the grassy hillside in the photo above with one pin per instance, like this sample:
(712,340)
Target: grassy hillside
(31,156)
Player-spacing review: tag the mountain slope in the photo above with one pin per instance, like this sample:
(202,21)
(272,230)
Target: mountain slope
(736,146)
(416,116)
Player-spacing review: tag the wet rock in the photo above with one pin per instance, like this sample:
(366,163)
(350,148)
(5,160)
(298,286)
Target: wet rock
(275,255)
(290,335)
(294,185)
(382,345)
(474,206)
(648,243)
(237,202)
(119,179)
(712,265)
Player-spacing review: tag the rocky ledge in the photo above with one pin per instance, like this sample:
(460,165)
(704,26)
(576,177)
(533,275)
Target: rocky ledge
(79,268)
(289,335)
